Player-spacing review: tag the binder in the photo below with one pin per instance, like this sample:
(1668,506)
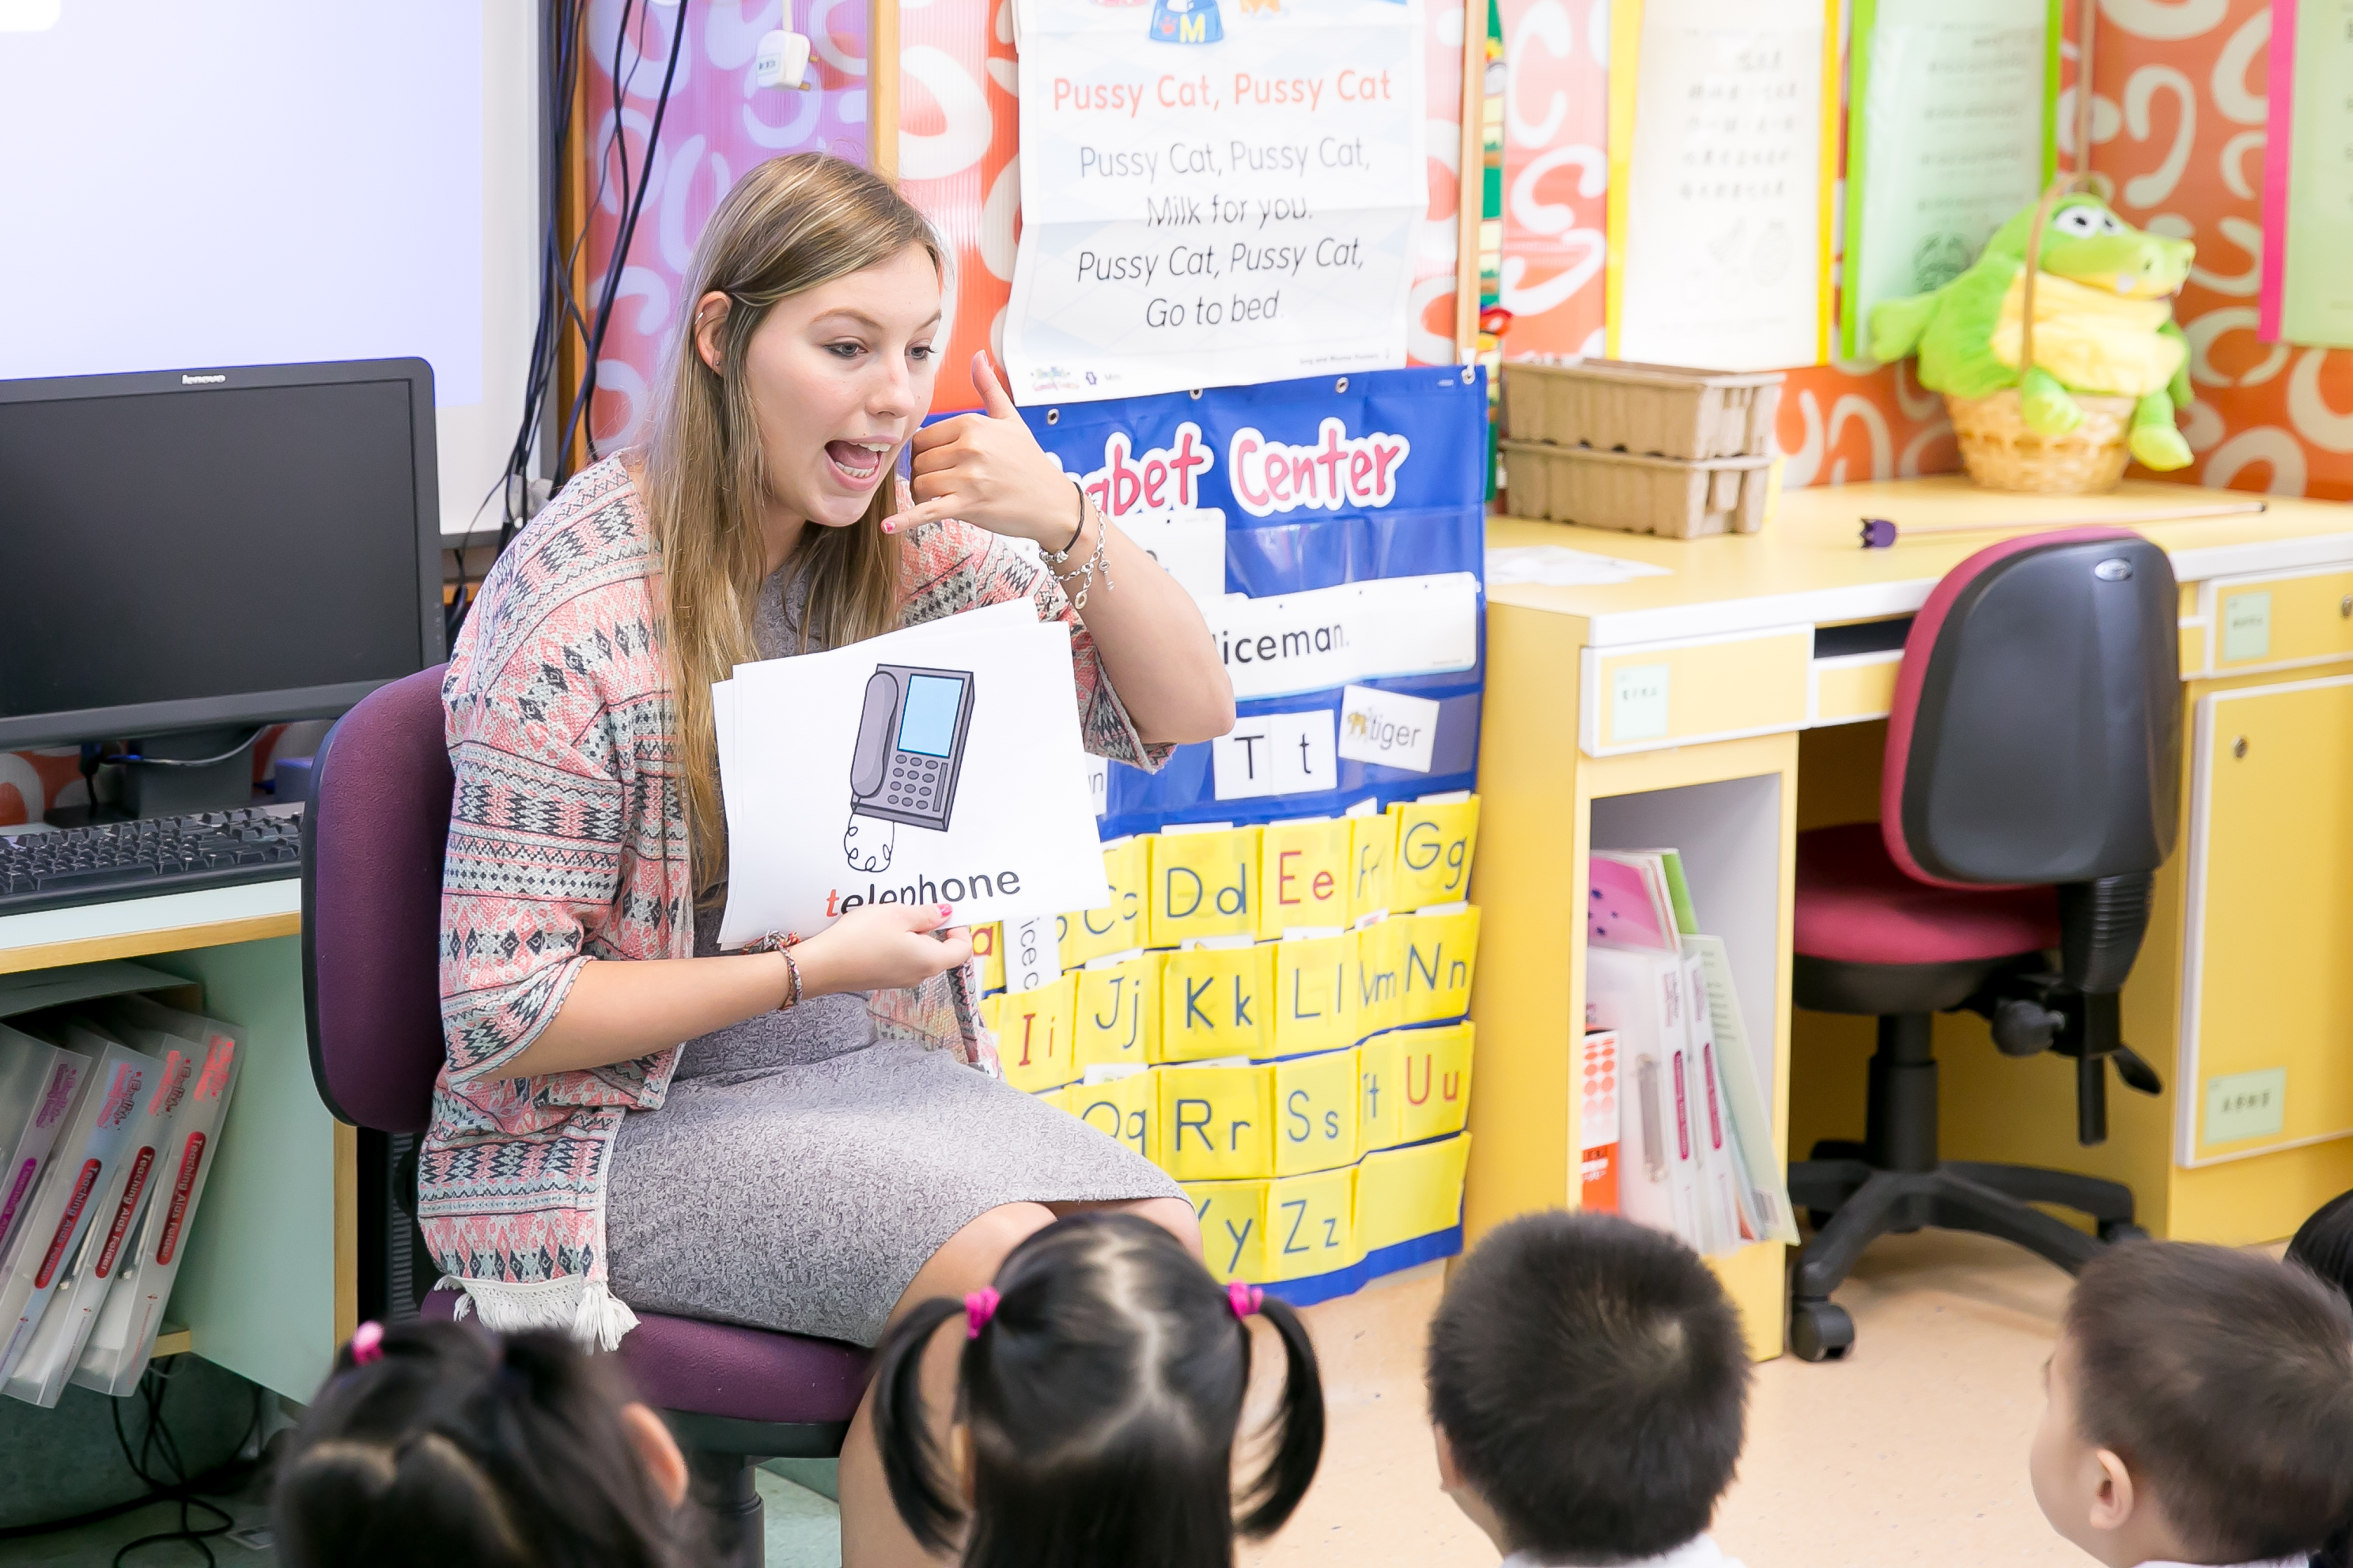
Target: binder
(38,1085)
(1637,993)
(111,1239)
(82,1165)
(123,1335)
(1720,1177)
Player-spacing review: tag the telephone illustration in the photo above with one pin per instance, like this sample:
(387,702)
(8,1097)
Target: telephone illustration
(909,751)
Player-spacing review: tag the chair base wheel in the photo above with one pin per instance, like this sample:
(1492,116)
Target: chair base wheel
(2115,1230)
(1821,1330)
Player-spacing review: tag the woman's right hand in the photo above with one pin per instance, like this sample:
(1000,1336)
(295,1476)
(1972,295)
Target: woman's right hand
(881,947)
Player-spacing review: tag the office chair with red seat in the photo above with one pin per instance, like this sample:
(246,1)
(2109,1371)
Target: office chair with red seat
(373,839)
(2031,789)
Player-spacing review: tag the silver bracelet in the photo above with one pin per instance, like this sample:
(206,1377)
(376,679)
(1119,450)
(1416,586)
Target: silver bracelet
(1056,560)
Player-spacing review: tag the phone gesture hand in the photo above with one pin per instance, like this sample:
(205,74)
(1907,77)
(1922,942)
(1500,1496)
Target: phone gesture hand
(989,469)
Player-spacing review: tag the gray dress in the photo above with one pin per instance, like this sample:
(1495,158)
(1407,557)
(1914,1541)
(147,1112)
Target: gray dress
(849,1158)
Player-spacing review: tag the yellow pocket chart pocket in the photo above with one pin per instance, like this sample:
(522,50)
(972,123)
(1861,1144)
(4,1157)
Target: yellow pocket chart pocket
(1315,994)
(1438,953)
(1433,1081)
(1435,841)
(988,956)
(1380,1093)
(1380,975)
(1310,1225)
(1372,850)
(1217,1002)
(1203,884)
(1119,924)
(1119,1013)
(1232,1217)
(1303,874)
(1217,1123)
(1127,1108)
(1034,1042)
(1316,1113)
(1402,1193)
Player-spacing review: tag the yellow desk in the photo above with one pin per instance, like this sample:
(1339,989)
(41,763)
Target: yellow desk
(270,1287)
(1717,710)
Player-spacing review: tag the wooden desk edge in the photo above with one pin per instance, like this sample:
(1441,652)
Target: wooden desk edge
(174,1341)
(138,943)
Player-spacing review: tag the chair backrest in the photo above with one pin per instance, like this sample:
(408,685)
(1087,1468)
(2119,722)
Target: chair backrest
(373,835)
(2036,733)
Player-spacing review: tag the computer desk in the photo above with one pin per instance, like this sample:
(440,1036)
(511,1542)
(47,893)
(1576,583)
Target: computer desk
(269,1285)
(1713,711)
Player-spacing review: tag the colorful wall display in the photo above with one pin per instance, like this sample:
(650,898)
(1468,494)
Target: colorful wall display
(2307,288)
(1275,1015)
(1209,199)
(1722,171)
(1951,106)
(1332,529)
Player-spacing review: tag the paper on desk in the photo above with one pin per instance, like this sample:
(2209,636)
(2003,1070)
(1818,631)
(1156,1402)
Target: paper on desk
(1558,566)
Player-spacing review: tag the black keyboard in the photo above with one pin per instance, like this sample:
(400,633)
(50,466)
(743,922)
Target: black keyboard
(110,860)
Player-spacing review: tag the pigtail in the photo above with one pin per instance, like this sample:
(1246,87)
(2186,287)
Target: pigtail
(902,1429)
(1299,1443)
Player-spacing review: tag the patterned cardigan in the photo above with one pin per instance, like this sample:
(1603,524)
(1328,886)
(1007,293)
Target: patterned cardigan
(568,845)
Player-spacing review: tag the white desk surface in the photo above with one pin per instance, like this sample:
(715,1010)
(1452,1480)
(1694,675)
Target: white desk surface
(157,914)
(1808,566)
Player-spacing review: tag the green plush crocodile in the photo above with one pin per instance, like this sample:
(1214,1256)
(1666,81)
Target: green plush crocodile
(2102,325)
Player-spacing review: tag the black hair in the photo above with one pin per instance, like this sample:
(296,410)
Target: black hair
(2224,1382)
(1102,1402)
(2324,1244)
(459,1448)
(1591,1379)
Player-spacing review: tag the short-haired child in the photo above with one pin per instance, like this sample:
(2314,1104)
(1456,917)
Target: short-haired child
(2198,1409)
(1099,1396)
(1588,1385)
(445,1446)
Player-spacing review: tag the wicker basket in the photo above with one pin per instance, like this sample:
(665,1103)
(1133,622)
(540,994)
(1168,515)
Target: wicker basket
(1998,449)
(2001,454)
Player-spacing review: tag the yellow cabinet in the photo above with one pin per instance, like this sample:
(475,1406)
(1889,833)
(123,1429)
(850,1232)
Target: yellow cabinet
(2267,1018)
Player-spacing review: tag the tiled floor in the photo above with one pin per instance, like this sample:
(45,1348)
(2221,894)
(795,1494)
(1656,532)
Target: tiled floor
(1913,1450)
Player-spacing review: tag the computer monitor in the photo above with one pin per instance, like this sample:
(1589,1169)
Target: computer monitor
(190,550)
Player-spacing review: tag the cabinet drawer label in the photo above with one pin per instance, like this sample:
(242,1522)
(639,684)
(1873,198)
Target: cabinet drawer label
(2246,1105)
(2247,626)
(1637,702)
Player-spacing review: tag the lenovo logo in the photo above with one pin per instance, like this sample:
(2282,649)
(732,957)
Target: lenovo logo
(201,380)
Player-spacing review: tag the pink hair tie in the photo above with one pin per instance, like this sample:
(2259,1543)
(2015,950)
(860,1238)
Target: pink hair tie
(367,1343)
(1244,1299)
(978,1308)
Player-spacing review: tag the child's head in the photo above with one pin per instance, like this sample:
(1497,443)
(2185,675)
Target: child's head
(2198,1409)
(442,1444)
(1099,1393)
(1588,1382)
(2324,1243)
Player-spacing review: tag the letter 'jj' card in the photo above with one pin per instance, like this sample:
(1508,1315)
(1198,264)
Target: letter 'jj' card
(940,764)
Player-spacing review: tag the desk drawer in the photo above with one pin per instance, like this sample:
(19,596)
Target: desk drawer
(1647,696)
(2277,622)
(1853,687)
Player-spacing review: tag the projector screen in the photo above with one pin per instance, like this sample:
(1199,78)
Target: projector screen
(259,182)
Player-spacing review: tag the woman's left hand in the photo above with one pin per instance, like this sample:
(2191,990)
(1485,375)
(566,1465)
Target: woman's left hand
(989,469)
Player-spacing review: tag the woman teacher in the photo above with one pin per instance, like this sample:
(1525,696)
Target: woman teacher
(830,1140)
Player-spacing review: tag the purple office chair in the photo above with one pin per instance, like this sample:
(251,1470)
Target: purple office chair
(2030,791)
(373,841)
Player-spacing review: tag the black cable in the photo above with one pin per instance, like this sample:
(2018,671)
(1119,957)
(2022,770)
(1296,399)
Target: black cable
(225,1478)
(246,744)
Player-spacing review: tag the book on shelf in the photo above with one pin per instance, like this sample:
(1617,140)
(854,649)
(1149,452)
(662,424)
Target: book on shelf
(94,1140)
(1695,1153)
(38,1085)
(123,1338)
(111,1238)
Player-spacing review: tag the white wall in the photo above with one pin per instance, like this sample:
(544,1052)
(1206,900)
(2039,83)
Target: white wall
(253,182)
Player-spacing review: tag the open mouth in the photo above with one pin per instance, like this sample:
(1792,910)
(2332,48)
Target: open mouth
(858,462)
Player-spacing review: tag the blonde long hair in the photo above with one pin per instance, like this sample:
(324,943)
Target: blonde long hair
(788,226)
